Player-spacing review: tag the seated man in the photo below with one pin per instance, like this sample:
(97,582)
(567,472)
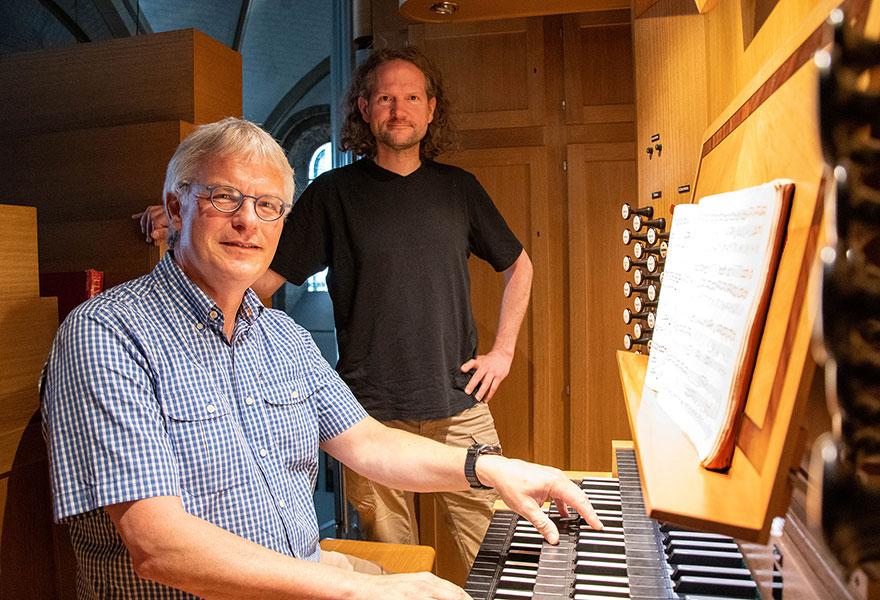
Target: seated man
(183,418)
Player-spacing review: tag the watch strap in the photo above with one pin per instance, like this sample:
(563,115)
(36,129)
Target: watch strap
(470,463)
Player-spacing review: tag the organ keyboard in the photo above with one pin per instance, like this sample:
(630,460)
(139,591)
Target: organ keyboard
(632,557)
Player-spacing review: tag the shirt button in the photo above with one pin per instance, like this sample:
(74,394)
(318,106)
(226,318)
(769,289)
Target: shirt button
(295,394)
(263,452)
(199,326)
(211,408)
(282,504)
(213,314)
(248,400)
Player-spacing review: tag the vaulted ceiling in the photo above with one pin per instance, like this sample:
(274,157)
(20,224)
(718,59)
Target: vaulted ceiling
(283,42)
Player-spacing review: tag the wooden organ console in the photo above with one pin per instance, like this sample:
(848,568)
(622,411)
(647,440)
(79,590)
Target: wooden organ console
(673,529)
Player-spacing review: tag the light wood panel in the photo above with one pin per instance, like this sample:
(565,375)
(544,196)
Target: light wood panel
(528,407)
(495,70)
(670,67)
(593,133)
(177,75)
(16,410)
(598,68)
(601,177)
(515,179)
(600,114)
(396,558)
(99,173)
(511,86)
(689,67)
(741,41)
(90,157)
(28,326)
(18,252)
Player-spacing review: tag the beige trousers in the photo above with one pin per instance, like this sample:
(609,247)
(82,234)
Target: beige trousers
(389,515)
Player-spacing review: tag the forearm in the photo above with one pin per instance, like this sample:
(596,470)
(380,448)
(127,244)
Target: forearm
(405,461)
(399,459)
(514,303)
(268,284)
(173,548)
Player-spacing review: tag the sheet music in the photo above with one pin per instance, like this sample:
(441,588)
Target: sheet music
(715,276)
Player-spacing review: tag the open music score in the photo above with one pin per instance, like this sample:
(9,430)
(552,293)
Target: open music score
(719,272)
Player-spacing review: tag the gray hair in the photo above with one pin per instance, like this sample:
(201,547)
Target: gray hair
(228,137)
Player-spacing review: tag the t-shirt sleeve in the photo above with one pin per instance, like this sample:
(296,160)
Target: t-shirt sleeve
(106,437)
(304,248)
(489,237)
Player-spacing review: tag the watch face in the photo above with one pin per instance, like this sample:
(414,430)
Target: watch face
(488,449)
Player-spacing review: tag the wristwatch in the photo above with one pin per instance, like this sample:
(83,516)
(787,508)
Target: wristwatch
(470,463)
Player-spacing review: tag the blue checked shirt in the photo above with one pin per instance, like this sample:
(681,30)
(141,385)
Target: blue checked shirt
(144,396)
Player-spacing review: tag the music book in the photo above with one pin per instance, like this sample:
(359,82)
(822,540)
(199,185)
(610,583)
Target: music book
(719,274)
(71,287)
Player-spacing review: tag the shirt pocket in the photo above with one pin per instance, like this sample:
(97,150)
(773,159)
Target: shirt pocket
(206,441)
(293,419)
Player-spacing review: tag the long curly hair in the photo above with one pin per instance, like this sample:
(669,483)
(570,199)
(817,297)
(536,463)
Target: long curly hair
(356,135)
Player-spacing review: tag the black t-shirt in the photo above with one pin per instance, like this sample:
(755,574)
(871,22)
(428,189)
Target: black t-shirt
(397,248)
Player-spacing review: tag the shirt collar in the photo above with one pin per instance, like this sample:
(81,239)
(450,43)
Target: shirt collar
(203,308)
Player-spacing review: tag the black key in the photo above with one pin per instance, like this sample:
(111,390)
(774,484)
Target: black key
(706,557)
(516,583)
(731,588)
(710,571)
(600,567)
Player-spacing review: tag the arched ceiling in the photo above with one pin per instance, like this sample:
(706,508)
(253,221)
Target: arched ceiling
(281,41)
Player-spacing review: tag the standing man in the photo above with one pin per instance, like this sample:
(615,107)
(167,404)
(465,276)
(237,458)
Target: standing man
(183,419)
(396,230)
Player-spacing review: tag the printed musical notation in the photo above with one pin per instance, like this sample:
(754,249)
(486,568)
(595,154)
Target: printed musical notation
(720,268)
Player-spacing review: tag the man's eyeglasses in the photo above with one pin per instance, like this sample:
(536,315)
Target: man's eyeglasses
(228,199)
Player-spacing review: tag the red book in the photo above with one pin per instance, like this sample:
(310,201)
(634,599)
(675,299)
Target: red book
(72,288)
